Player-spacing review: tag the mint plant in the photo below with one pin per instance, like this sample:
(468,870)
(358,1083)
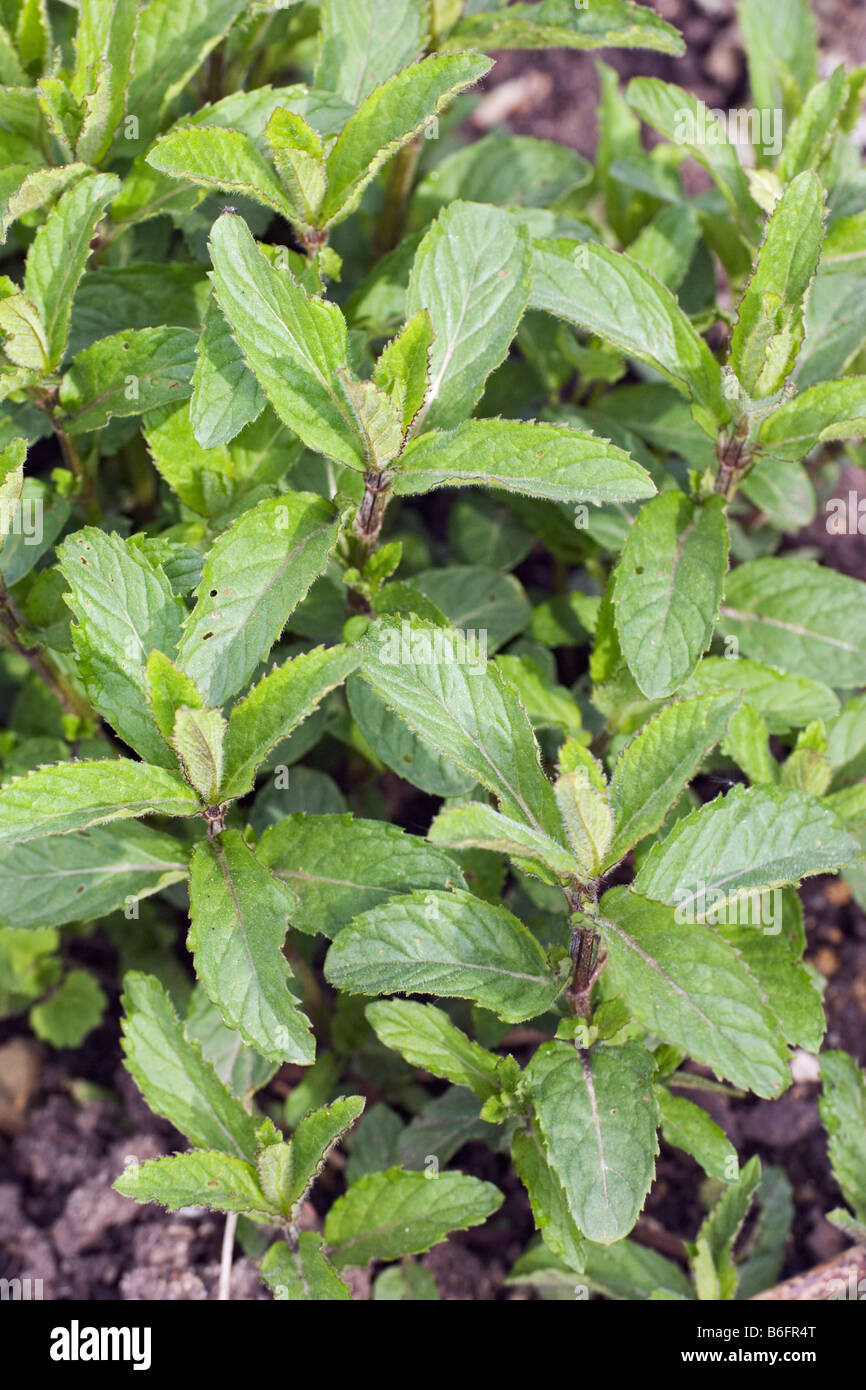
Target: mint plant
(237,608)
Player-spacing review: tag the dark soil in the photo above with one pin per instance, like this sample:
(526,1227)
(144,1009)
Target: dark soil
(61,1221)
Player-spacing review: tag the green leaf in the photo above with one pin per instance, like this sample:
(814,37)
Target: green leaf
(337,866)
(800,617)
(351,60)
(403,370)
(172,41)
(128,373)
(481,827)
(295,345)
(667,244)
(125,610)
(785,982)
(560,24)
(427,1038)
(547,1197)
(386,1215)
(783,701)
(693,990)
(810,133)
(684,119)
(757,837)
(238,920)
(607,293)
(827,410)
(667,589)
(510,170)
(11,484)
(451,944)
(287,1171)
(167,690)
(470,715)
(204,1177)
(770,327)
(74,796)
(303,1275)
(198,739)
(547,704)
(88,874)
(24,339)
(472,273)
(31,189)
(688,1127)
(549,461)
(255,575)
(711,1255)
(103,58)
(597,1114)
(411,1283)
(225,394)
(173,1076)
(587,816)
(240,1068)
(782,49)
(66,1017)
(58,256)
(767,1246)
(389,118)
(224,159)
(843,1111)
(661,759)
(277,705)
(299,158)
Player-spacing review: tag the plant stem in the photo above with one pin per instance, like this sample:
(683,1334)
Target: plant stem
(735,460)
(371,514)
(393,221)
(224,1291)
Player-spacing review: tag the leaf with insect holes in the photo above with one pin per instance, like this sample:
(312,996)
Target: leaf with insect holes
(177,1082)
(386,1215)
(470,715)
(471,273)
(295,345)
(75,796)
(238,920)
(128,373)
(549,461)
(607,293)
(338,866)
(86,874)
(562,24)
(661,759)
(667,588)
(451,944)
(693,990)
(427,1038)
(800,617)
(288,1170)
(757,837)
(303,1274)
(254,577)
(389,118)
(597,1114)
(125,610)
(273,708)
(770,325)
(206,1177)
